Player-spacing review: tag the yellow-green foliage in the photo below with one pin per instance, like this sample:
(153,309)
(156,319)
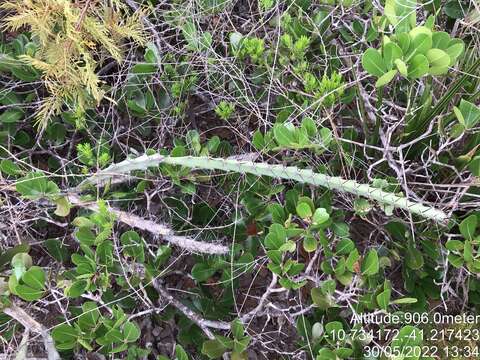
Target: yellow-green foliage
(72,39)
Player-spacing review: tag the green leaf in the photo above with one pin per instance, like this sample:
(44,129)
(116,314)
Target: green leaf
(399,13)
(258,140)
(112,336)
(77,288)
(420,30)
(440,40)
(213,349)
(20,263)
(333,328)
(373,63)
(404,41)
(414,258)
(468,251)
(8,167)
(64,333)
(468,114)
(418,66)
(28,293)
(421,44)
(11,116)
(237,329)
(133,245)
(152,54)
(275,256)
(190,34)
(454,245)
(240,345)
(9,97)
(310,244)
(57,250)
(361,206)
(386,78)
(437,57)
(276,237)
(283,136)
(289,246)
(144,68)
(320,299)
(105,253)
(320,216)
(35,185)
(403,301)
(408,337)
(391,52)
(344,352)
(213,144)
(309,125)
(455,260)
(131,332)
(85,236)
(180,353)
(326,354)
(468,227)
(202,271)
(138,103)
(63,206)
(370,264)
(455,49)
(88,319)
(401,67)
(317,330)
(304,210)
(454,9)
(473,166)
(235,39)
(438,70)
(344,247)
(35,278)
(278,213)
(383,299)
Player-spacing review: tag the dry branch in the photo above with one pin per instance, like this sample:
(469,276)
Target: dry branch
(204,324)
(31,324)
(155,228)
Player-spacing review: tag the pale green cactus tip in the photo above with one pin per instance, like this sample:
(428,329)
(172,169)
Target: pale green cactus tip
(277,171)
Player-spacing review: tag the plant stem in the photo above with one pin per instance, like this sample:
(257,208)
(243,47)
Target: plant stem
(276,171)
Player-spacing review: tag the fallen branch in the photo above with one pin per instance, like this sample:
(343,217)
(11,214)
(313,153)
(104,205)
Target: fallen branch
(155,228)
(152,227)
(31,324)
(263,169)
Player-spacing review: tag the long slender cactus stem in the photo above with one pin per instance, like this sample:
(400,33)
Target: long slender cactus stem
(276,171)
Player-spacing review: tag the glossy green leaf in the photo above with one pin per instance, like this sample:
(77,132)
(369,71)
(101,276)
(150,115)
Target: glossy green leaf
(386,78)
(437,57)
(391,52)
(304,210)
(373,63)
(370,264)
(310,244)
(35,278)
(418,66)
